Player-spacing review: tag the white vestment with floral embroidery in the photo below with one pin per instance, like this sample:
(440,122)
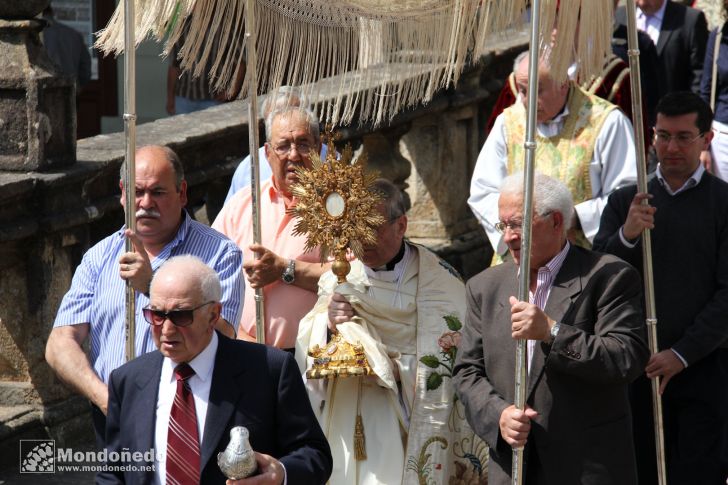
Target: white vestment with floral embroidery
(412,433)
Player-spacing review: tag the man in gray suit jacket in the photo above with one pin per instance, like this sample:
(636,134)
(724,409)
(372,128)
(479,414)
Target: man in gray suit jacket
(586,342)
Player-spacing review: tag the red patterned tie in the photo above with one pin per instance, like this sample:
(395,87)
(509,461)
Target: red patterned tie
(183,443)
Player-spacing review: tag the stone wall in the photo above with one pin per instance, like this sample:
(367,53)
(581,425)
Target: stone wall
(48,220)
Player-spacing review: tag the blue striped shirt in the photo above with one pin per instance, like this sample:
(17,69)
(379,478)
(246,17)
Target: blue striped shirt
(97,291)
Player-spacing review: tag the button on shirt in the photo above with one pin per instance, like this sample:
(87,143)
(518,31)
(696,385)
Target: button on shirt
(97,293)
(651,24)
(544,283)
(285,305)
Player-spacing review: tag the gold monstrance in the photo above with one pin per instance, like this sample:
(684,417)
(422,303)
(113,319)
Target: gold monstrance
(337,211)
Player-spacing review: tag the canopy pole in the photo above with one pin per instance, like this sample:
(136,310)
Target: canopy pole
(129,173)
(525,252)
(650,311)
(254,162)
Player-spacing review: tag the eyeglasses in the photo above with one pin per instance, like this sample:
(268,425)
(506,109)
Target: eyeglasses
(515,226)
(683,140)
(181,318)
(302,147)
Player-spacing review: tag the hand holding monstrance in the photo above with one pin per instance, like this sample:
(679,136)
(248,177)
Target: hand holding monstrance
(338,212)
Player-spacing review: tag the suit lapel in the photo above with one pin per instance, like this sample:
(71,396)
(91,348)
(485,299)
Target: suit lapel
(226,390)
(147,384)
(565,289)
(667,29)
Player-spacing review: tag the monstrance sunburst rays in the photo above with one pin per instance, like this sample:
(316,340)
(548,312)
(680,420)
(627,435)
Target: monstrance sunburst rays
(335,207)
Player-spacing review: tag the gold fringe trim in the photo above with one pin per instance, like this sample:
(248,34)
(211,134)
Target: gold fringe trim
(360,443)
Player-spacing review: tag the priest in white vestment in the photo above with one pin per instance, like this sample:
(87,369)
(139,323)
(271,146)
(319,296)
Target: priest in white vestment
(404,305)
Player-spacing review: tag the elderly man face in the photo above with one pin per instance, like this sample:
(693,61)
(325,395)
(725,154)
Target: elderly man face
(159,202)
(389,240)
(547,237)
(551,95)
(290,146)
(179,291)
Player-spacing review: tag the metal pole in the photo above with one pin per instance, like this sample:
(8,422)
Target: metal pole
(254,162)
(129,174)
(650,312)
(525,263)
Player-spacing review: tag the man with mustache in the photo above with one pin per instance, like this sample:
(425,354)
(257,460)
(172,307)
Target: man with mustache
(94,307)
(288,275)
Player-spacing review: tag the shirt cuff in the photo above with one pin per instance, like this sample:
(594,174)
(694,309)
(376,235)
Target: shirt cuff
(285,473)
(624,239)
(685,362)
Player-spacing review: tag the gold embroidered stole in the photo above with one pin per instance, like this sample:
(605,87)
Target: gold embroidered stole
(567,155)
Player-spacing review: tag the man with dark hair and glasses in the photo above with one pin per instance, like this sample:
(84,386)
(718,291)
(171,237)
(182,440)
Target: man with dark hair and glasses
(585,342)
(93,309)
(182,400)
(287,274)
(687,213)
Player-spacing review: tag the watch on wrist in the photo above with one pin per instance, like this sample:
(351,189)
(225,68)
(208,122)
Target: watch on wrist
(555,330)
(289,274)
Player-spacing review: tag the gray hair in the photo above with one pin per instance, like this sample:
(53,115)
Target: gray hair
(169,155)
(283,97)
(308,116)
(549,195)
(519,58)
(393,198)
(192,267)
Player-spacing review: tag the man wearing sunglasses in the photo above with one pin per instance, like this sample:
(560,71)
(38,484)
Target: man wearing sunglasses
(287,274)
(585,335)
(94,307)
(687,215)
(183,400)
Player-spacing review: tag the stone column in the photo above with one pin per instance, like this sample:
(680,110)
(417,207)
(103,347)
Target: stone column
(37,107)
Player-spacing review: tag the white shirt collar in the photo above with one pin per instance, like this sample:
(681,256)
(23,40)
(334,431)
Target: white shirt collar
(202,364)
(659,15)
(689,183)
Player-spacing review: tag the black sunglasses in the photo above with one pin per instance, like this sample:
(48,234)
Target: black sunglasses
(181,318)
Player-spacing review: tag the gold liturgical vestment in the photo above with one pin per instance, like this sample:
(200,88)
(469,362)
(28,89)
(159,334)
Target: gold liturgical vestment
(566,156)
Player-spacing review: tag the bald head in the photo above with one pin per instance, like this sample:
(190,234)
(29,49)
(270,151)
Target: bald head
(551,95)
(158,153)
(192,273)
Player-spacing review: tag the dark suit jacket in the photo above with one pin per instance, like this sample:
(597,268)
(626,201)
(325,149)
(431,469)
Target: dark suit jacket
(680,47)
(252,385)
(578,384)
(649,78)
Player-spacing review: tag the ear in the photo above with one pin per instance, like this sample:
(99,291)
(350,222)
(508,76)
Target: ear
(121,187)
(708,138)
(401,225)
(267,150)
(215,314)
(559,221)
(183,193)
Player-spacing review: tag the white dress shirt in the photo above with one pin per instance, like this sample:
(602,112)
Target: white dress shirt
(199,383)
(544,282)
(651,24)
(613,165)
